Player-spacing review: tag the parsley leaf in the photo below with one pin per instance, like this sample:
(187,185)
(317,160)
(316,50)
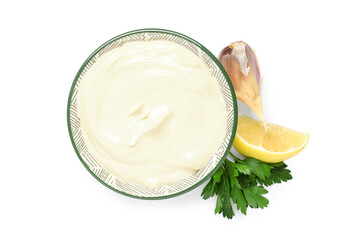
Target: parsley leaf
(242,183)
(217,175)
(224,199)
(243,168)
(232,173)
(258,168)
(238,197)
(254,198)
(279,174)
(209,190)
(247,180)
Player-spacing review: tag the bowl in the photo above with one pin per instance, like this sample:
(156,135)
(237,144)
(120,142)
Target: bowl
(176,188)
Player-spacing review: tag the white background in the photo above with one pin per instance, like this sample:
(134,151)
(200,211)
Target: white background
(46,193)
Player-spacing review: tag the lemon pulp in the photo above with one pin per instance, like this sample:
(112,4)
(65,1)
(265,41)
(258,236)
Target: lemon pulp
(267,142)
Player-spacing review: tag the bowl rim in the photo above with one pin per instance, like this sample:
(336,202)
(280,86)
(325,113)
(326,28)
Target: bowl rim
(235,109)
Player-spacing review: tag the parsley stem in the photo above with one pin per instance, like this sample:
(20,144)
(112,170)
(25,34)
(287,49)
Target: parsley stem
(234,157)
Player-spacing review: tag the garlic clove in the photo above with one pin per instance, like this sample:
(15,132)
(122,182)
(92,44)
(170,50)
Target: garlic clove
(242,66)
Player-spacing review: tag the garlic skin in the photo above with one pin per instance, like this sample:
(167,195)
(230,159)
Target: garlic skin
(241,65)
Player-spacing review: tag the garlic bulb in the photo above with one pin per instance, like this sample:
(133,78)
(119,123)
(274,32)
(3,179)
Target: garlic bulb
(241,65)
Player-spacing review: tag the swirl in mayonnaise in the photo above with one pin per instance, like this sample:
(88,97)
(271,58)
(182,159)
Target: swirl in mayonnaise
(151,113)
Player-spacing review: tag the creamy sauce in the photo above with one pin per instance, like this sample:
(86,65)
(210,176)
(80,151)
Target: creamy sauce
(151,113)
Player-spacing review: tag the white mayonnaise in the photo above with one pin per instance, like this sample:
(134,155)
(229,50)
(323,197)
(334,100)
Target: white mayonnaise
(151,113)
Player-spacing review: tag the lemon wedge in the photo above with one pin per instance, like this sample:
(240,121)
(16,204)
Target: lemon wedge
(267,142)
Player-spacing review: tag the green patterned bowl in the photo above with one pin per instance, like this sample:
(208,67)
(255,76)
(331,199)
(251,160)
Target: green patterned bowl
(176,188)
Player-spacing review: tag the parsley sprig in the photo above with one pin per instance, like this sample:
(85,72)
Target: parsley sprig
(242,183)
